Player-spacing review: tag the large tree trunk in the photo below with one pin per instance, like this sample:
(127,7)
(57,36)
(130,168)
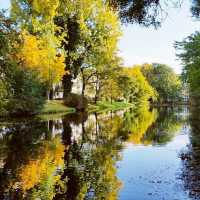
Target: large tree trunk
(97,90)
(83,82)
(67,85)
(96,95)
(51,94)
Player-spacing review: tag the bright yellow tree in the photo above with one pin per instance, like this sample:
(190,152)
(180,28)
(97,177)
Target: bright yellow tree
(38,55)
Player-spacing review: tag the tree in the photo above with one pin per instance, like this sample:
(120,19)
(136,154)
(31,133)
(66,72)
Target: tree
(195,8)
(21,90)
(135,86)
(40,49)
(145,12)
(149,12)
(35,54)
(102,82)
(91,35)
(188,51)
(164,80)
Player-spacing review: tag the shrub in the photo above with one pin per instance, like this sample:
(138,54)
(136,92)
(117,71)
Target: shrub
(77,101)
(26,93)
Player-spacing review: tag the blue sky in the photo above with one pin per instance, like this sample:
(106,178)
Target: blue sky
(4,3)
(139,45)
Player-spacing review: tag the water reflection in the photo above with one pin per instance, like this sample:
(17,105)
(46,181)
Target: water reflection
(166,126)
(191,157)
(30,158)
(74,157)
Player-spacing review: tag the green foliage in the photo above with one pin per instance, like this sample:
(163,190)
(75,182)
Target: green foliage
(3,95)
(76,101)
(27,96)
(189,52)
(91,36)
(102,82)
(142,12)
(164,80)
(21,90)
(135,87)
(149,12)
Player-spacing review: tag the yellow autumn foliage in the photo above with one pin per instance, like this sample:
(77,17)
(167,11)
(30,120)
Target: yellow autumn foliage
(143,90)
(44,166)
(143,121)
(39,55)
(45,7)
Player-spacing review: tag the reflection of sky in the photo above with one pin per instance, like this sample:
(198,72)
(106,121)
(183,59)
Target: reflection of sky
(150,172)
(139,45)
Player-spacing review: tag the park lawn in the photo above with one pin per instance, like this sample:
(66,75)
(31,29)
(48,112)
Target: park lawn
(56,106)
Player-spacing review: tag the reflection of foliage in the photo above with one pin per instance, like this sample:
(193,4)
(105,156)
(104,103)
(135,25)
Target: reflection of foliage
(144,119)
(83,166)
(31,162)
(191,158)
(165,127)
(42,171)
(137,122)
(144,126)
(90,171)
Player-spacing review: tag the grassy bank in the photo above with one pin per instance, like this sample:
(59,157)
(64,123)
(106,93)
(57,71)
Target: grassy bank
(103,106)
(56,106)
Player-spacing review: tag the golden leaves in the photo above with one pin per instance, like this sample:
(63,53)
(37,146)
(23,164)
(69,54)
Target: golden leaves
(39,55)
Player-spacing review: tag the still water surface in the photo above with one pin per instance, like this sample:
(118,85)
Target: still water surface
(138,154)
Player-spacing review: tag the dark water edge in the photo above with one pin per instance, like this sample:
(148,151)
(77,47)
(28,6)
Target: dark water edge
(135,154)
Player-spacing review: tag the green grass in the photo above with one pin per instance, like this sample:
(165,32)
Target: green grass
(55,106)
(103,106)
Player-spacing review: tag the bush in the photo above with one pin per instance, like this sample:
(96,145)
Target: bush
(77,101)
(26,93)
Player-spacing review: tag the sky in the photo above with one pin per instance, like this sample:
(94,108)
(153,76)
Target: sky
(146,45)
(140,45)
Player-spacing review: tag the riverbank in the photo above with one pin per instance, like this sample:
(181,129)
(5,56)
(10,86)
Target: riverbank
(102,106)
(54,107)
(57,106)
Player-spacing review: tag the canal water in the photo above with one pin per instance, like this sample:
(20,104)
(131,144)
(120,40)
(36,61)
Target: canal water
(137,154)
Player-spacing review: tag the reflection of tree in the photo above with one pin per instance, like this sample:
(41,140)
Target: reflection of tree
(90,171)
(136,122)
(147,126)
(75,157)
(191,158)
(164,128)
(31,162)
(35,158)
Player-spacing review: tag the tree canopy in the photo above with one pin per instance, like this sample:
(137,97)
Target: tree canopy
(149,12)
(189,53)
(164,80)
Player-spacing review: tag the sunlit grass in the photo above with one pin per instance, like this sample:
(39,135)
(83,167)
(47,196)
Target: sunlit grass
(56,106)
